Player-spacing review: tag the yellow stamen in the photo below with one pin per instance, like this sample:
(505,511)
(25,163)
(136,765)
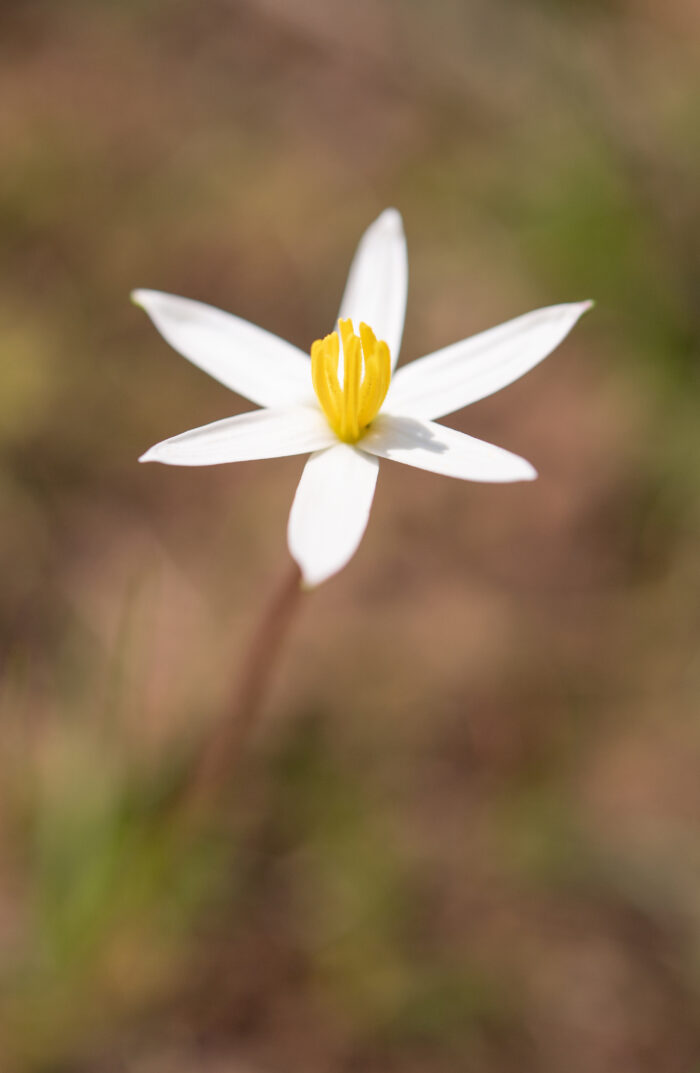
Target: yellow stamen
(366,375)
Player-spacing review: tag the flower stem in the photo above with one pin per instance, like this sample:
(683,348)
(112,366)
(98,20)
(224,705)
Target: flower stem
(222,748)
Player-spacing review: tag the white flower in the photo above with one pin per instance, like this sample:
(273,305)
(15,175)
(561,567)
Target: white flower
(329,405)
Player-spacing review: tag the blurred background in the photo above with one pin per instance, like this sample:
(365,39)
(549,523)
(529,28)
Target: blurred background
(466,833)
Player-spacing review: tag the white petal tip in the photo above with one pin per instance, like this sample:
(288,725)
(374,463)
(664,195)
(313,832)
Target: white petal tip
(149,456)
(390,220)
(585,306)
(522,470)
(514,475)
(145,299)
(311,579)
(309,583)
(313,574)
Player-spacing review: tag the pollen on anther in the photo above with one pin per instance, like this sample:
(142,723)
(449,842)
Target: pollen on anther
(351,406)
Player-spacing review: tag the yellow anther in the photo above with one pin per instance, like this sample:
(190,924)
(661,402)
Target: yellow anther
(324,373)
(366,375)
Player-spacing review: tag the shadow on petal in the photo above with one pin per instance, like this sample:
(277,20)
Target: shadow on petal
(408,433)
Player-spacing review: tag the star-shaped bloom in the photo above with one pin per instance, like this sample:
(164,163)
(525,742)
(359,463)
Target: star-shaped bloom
(344,405)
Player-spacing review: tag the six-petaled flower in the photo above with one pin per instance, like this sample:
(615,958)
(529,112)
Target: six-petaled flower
(343,405)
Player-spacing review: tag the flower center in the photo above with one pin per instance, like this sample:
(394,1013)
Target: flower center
(366,376)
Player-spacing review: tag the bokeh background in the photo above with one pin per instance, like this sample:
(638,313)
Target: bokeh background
(466,833)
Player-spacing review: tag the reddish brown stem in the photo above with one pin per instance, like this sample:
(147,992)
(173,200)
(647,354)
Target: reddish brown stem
(222,748)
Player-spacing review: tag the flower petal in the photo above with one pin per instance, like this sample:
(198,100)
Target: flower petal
(443,450)
(257,434)
(378,280)
(247,359)
(330,510)
(467,371)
